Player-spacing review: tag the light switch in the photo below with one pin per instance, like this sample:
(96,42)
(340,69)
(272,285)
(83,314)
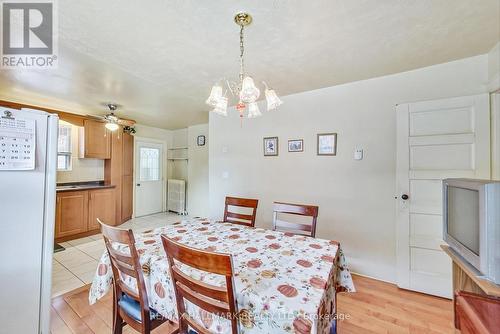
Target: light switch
(224,149)
(358,153)
(225,175)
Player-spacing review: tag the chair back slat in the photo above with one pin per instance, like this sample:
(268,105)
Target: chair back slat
(288,226)
(213,299)
(295,209)
(240,218)
(203,288)
(197,327)
(200,259)
(208,304)
(122,257)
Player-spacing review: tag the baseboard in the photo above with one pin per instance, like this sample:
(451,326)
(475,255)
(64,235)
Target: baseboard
(374,278)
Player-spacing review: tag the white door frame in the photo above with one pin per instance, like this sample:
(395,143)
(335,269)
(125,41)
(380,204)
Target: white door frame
(164,168)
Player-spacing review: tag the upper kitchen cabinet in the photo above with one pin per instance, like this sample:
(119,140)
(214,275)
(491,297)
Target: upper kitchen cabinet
(95,140)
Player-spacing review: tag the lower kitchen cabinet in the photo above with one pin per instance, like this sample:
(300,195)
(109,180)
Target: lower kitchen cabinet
(71,213)
(77,212)
(102,206)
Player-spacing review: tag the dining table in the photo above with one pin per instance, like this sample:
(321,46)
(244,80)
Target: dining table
(283,282)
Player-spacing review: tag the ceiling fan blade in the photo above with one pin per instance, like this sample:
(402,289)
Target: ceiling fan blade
(100,118)
(127,122)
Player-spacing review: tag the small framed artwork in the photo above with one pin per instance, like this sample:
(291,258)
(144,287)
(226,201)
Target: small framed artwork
(270,146)
(296,145)
(327,144)
(201,140)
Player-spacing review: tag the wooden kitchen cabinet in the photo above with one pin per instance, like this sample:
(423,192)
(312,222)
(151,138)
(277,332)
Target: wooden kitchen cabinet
(71,213)
(119,171)
(95,140)
(77,212)
(127,177)
(102,206)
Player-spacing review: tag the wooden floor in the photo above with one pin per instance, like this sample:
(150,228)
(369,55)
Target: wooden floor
(377,307)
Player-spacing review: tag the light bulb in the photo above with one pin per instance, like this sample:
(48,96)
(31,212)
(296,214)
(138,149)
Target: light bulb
(249,93)
(215,95)
(111,126)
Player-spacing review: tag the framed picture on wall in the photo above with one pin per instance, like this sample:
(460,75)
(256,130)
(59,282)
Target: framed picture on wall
(201,140)
(327,144)
(296,145)
(270,146)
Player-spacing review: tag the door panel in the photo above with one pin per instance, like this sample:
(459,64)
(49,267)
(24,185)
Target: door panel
(127,201)
(426,231)
(426,196)
(71,213)
(435,140)
(439,157)
(102,206)
(437,121)
(97,140)
(149,178)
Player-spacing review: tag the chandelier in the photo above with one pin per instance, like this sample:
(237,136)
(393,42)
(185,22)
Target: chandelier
(245,89)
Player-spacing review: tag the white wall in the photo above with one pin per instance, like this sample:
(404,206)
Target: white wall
(356,198)
(82,170)
(197,203)
(494,68)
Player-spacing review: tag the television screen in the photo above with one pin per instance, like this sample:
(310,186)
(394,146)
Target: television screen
(463,217)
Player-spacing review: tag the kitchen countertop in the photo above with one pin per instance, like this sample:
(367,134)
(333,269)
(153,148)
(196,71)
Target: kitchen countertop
(75,186)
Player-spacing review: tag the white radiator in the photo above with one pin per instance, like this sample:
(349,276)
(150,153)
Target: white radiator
(177,196)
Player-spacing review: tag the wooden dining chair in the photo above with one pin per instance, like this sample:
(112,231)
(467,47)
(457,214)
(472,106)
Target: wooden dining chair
(213,299)
(295,209)
(240,218)
(129,307)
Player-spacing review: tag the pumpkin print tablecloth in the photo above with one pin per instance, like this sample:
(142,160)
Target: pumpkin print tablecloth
(284,283)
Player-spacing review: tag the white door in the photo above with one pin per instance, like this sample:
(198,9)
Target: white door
(435,140)
(148,178)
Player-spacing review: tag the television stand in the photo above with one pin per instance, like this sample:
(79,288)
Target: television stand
(467,279)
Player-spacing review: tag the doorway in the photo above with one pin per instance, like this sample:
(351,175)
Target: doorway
(149,180)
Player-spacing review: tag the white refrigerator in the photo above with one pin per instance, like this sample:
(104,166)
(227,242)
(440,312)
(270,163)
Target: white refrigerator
(28,160)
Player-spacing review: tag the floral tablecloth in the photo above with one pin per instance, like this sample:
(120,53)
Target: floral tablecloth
(284,283)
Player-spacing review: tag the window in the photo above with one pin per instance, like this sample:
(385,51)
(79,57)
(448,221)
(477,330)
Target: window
(64,147)
(150,164)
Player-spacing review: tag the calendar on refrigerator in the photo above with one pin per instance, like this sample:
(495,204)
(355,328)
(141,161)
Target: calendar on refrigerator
(17,143)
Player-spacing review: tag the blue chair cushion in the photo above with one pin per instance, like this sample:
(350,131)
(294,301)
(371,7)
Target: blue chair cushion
(133,308)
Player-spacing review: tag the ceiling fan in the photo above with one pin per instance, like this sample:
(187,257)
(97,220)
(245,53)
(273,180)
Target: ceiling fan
(113,122)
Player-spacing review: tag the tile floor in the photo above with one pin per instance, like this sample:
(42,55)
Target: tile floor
(76,265)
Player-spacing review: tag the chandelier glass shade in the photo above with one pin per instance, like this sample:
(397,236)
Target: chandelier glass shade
(245,89)
(215,95)
(221,106)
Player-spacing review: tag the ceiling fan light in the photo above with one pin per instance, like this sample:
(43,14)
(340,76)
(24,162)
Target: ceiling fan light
(249,92)
(253,110)
(112,126)
(215,95)
(221,106)
(273,101)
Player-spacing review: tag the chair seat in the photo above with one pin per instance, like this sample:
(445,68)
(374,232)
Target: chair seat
(133,308)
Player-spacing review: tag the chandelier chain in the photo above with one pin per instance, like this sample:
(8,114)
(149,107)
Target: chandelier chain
(242,50)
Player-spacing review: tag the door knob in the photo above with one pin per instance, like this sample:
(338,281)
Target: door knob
(138,184)
(404,197)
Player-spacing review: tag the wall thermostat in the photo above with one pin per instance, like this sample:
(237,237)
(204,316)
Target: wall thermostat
(358,154)
(201,140)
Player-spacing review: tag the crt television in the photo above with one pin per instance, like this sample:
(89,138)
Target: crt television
(472,223)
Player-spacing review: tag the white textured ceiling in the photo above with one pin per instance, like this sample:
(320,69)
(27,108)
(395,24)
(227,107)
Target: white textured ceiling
(159,58)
